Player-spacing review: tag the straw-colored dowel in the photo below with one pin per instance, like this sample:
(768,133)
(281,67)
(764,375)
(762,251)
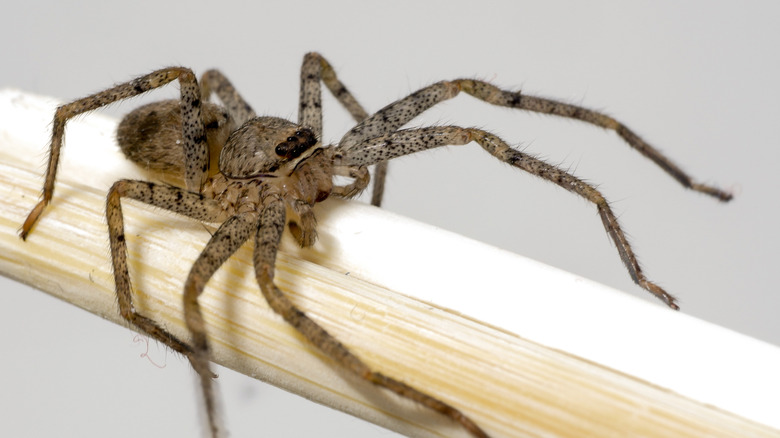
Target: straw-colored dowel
(510,386)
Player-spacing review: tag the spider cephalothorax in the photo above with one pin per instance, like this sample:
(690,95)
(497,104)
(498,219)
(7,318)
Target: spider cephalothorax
(257,175)
(266,146)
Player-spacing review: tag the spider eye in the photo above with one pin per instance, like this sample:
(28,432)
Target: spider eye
(296,144)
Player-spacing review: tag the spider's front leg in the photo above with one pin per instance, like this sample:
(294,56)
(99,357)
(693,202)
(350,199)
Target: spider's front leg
(315,68)
(269,233)
(409,141)
(397,114)
(196,151)
(224,242)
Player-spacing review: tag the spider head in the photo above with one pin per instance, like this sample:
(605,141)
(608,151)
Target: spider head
(266,146)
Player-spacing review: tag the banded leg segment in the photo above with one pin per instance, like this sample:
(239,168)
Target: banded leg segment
(315,68)
(499,149)
(159,195)
(216,82)
(193,205)
(196,150)
(495,96)
(358,113)
(397,114)
(226,240)
(269,233)
(414,140)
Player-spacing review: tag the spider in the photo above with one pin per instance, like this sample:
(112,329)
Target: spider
(256,175)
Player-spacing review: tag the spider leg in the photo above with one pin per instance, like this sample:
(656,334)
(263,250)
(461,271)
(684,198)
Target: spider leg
(409,141)
(272,221)
(238,108)
(196,150)
(226,240)
(360,178)
(397,114)
(193,205)
(304,228)
(159,195)
(493,95)
(315,68)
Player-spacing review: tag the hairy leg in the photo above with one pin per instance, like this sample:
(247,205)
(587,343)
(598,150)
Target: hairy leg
(238,108)
(159,195)
(315,68)
(195,147)
(397,114)
(269,233)
(193,205)
(414,140)
(225,241)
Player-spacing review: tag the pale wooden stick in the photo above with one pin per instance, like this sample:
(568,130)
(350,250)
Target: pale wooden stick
(356,282)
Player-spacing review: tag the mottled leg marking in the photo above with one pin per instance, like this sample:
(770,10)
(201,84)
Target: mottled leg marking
(159,195)
(397,114)
(499,149)
(225,241)
(238,108)
(410,141)
(269,233)
(400,143)
(314,69)
(310,98)
(145,192)
(195,147)
(493,95)
(338,89)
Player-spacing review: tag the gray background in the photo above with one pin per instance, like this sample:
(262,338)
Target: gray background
(696,79)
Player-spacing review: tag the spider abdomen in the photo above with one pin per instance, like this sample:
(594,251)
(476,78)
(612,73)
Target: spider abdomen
(151,136)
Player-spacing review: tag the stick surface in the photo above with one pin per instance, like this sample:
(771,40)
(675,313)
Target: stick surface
(357,282)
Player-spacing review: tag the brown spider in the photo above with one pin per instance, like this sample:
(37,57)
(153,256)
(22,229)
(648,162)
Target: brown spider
(256,175)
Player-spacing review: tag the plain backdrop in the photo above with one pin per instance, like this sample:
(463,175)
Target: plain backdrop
(697,79)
